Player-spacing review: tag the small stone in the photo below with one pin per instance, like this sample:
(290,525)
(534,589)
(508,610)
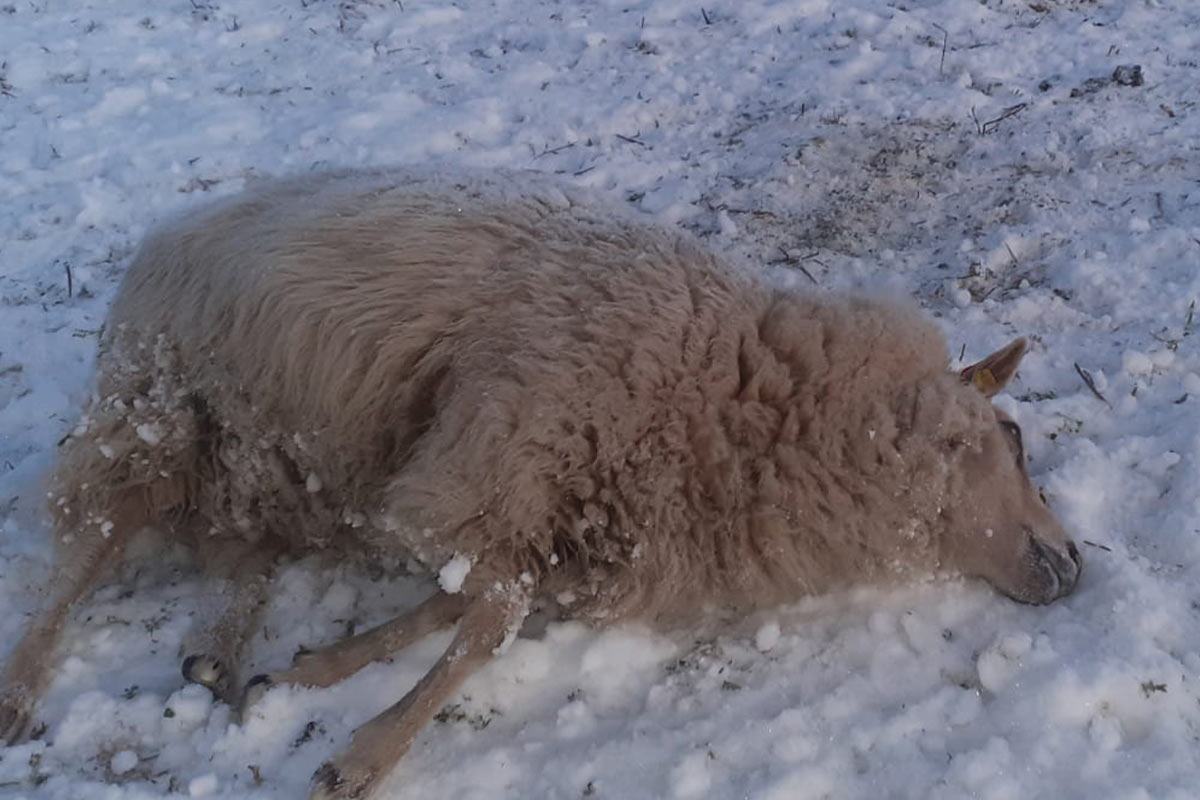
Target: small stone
(1128,75)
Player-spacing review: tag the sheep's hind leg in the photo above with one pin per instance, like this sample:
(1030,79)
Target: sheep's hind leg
(86,559)
(328,665)
(241,571)
(487,622)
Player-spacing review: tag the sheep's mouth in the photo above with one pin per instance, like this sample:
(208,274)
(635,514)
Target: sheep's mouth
(1053,572)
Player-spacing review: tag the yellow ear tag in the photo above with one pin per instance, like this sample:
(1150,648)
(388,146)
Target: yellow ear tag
(984,380)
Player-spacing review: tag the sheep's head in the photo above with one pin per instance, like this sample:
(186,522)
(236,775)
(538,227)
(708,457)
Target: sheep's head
(995,524)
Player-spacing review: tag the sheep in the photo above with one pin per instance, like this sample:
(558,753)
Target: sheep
(533,396)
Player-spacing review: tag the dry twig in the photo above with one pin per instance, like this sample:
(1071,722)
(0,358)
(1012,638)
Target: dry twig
(992,125)
(1091,384)
(945,41)
(550,151)
(792,261)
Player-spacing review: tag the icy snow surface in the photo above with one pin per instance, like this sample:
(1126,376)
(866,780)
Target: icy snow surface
(974,154)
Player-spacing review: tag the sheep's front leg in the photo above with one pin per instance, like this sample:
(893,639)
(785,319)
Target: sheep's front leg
(487,623)
(242,573)
(328,665)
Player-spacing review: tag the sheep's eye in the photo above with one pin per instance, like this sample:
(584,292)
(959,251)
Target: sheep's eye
(1013,431)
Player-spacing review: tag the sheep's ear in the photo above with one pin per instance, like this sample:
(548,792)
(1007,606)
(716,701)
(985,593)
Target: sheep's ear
(994,372)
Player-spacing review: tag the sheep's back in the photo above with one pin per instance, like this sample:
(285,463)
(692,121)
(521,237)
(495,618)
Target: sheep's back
(333,321)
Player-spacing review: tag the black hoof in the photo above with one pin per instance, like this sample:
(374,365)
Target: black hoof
(261,679)
(188,664)
(206,671)
(253,691)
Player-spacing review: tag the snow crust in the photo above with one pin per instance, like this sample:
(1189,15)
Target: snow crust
(977,156)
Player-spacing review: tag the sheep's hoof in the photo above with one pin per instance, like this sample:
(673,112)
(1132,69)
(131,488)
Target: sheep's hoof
(208,672)
(16,707)
(332,782)
(256,687)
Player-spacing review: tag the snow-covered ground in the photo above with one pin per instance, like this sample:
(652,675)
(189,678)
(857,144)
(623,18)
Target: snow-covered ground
(983,156)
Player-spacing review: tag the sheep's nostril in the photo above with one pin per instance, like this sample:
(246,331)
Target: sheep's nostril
(1073,552)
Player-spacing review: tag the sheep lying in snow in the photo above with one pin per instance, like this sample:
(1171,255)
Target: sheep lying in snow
(533,397)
